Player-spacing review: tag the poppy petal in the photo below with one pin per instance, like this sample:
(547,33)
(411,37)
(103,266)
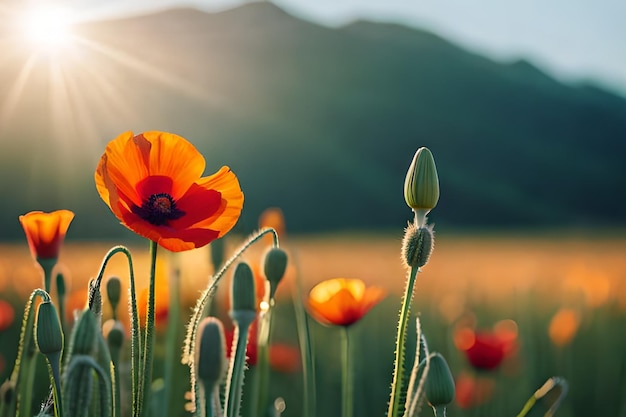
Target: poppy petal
(45,232)
(124,165)
(198,203)
(172,156)
(154,184)
(342,301)
(183,240)
(226,216)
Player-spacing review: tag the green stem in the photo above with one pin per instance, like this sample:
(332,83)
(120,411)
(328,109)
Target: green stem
(55,377)
(346,376)
(306,351)
(216,401)
(440,411)
(208,404)
(47,264)
(398,372)
(263,362)
(237,367)
(527,407)
(146,367)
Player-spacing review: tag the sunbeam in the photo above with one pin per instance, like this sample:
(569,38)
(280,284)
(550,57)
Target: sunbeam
(48,28)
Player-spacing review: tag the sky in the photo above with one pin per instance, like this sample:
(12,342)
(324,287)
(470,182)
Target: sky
(571,39)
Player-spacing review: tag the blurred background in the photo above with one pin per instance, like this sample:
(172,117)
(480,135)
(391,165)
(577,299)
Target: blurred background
(318,107)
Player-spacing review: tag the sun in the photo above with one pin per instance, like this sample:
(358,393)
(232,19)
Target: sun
(48,28)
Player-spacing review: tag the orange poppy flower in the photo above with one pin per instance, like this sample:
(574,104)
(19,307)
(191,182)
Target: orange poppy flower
(152,182)
(45,232)
(343,301)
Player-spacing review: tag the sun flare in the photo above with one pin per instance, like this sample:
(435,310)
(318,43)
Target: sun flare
(47,28)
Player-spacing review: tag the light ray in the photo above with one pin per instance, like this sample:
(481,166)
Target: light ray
(16,91)
(154,73)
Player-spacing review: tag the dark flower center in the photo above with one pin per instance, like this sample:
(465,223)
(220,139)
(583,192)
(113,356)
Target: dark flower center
(159,209)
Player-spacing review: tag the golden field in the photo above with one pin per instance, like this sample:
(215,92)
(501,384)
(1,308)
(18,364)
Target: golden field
(566,294)
(486,269)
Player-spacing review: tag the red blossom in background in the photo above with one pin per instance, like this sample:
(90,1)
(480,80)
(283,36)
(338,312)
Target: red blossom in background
(487,349)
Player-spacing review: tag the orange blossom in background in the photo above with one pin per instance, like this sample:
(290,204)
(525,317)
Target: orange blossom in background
(45,232)
(343,301)
(152,182)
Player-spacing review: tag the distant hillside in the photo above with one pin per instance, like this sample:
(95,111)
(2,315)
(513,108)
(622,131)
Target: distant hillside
(322,122)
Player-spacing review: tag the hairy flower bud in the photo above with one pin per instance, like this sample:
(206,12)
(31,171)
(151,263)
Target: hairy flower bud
(421,185)
(274,267)
(114,291)
(115,334)
(84,334)
(48,333)
(210,361)
(439,386)
(242,291)
(60,285)
(417,245)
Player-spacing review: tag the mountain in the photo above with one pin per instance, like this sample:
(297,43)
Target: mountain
(320,121)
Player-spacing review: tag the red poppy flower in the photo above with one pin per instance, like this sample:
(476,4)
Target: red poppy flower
(343,301)
(45,232)
(152,182)
(486,349)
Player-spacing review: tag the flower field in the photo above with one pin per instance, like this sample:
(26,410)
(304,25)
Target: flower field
(540,306)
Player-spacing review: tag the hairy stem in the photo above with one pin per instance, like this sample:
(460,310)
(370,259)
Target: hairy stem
(398,372)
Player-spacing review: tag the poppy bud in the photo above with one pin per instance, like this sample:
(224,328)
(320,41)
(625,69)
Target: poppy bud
(115,335)
(84,334)
(274,268)
(421,185)
(242,291)
(211,362)
(48,332)
(439,386)
(60,285)
(217,253)
(114,291)
(417,245)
